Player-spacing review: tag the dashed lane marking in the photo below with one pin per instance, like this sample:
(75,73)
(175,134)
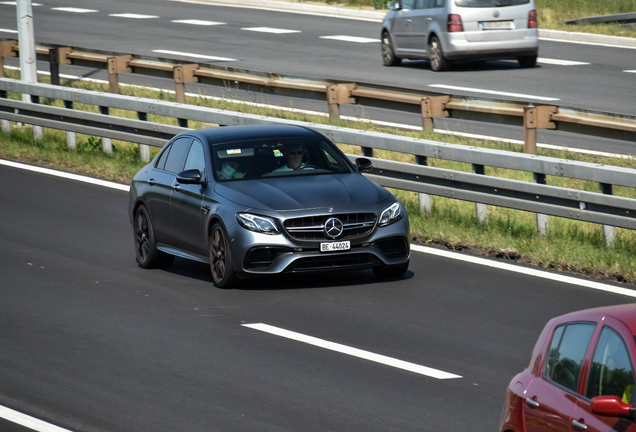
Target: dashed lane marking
(355,352)
(8,30)
(201,56)
(355,39)
(28,421)
(270,30)
(560,62)
(134,16)
(198,22)
(74,10)
(495,92)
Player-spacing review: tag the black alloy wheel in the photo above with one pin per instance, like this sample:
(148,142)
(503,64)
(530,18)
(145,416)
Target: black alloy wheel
(221,258)
(146,250)
(388,55)
(436,56)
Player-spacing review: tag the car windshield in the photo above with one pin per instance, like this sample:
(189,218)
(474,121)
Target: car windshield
(489,3)
(248,160)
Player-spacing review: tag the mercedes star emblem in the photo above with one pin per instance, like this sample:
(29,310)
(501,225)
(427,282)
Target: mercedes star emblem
(333,227)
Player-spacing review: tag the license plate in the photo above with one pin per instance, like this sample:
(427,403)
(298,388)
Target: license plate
(497,25)
(335,246)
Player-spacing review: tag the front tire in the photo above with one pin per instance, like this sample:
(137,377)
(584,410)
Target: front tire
(527,61)
(221,258)
(436,56)
(391,271)
(388,54)
(146,250)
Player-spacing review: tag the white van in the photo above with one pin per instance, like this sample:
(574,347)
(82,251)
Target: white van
(448,31)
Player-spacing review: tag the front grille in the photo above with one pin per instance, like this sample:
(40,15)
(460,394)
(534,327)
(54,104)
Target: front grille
(313,227)
(393,247)
(332,262)
(263,257)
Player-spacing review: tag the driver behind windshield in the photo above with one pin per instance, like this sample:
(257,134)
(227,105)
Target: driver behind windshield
(294,155)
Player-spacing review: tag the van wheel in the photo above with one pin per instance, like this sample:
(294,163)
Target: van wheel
(527,61)
(388,55)
(436,56)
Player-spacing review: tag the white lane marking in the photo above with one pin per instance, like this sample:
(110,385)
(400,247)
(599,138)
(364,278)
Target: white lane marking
(8,30)
(12,3)
(28,421)
(202,56)
(328,15)
(270,30)
(351,39)
(527,271)
(76,177)
(560,62)
(588,43)
(133,16)
(474,90)
(74,10)
(355,352)
(630,71)
(198,22)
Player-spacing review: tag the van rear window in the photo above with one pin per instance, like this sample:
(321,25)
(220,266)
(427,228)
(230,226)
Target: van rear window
(489,3)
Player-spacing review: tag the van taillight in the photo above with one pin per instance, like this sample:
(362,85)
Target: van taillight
(455,23)
(532,19)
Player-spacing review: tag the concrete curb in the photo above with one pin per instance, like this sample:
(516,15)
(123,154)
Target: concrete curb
(378,16)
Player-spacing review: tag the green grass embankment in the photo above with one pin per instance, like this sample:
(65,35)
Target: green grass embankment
(572,246)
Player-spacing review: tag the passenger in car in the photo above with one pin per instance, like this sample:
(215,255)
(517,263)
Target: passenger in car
(230,170)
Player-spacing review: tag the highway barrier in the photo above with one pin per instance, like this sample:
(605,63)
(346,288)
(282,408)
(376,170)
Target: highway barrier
(538,197)
(429,105)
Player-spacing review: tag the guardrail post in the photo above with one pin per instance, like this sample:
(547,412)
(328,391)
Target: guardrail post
(609,232)
(6,50)
(481,210)
(6,124)
(71,137)
(543,221)
(433,107)
(529,130)
(424,199)
(117,65)
(339,94)
(107,143)
(54,66)
(144,150)
(183,75)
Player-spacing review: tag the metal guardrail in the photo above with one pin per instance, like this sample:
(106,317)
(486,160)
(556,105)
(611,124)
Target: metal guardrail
(429,105)
(602,208)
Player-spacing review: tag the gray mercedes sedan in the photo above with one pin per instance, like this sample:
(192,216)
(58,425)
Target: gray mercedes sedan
(262,200)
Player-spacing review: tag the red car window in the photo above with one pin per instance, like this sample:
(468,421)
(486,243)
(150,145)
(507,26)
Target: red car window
(566,354)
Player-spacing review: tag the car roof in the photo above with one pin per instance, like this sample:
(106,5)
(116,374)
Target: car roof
(244,132)
(625,313)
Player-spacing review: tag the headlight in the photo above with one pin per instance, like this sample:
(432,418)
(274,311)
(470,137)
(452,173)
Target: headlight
(391,214)
(258,224)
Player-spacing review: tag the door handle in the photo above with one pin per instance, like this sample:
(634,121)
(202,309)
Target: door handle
(532,403)
(177,188)
(408,21)
(151,182)
(579,425)
(429,19)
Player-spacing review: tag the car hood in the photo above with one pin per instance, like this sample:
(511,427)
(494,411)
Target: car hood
(303,192)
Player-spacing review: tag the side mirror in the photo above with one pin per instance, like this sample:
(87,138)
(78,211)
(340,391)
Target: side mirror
(191,176)
(611,406)
(394,6)
(364,165)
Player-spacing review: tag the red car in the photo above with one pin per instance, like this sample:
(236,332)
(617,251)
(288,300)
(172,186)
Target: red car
(580,376)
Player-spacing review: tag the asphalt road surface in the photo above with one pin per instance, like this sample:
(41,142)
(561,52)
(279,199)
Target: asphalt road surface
(92,342)
(594,77)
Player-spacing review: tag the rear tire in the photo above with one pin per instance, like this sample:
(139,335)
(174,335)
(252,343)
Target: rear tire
(146,250)
(527,61)
(221,258)
(391,271)
(436,56)
(388,54)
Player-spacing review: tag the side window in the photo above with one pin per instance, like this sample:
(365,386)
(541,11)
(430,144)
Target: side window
(611,372)
(161,163)
(196,158)
(437,3)
(423,4)
(565,356)
(408,4)
(177,154)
